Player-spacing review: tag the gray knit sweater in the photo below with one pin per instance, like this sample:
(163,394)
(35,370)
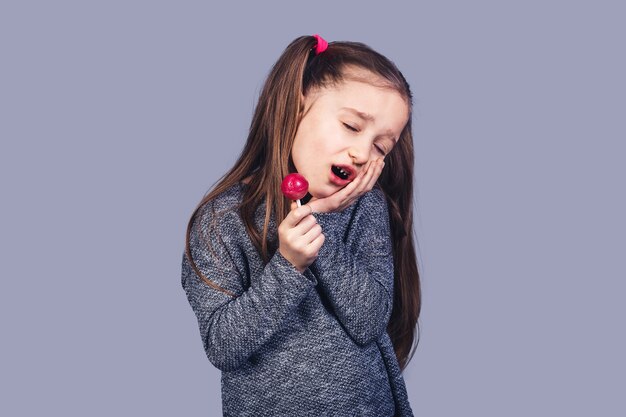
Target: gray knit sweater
(291,343)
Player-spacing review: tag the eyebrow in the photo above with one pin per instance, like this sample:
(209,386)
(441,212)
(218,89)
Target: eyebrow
(368,117)
(362,115)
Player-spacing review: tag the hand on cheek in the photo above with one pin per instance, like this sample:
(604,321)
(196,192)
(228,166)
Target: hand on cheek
(351,192)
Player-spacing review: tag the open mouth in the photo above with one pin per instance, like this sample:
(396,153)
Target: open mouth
(340,172)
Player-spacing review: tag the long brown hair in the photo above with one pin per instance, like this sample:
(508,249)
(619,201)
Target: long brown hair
(266,157)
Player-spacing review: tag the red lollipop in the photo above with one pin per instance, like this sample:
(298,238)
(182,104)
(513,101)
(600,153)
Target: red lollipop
(294,187)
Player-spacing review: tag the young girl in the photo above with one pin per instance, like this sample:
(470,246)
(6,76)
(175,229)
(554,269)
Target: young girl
(311,310)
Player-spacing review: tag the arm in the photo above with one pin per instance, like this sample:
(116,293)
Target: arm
(358,275)
(233,328)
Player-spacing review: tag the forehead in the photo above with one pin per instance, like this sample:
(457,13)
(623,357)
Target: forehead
(361,92)
(377,104)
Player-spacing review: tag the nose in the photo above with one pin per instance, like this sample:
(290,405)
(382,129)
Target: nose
(360,154)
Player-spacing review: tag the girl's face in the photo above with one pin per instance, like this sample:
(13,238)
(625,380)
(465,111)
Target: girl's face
(332,133)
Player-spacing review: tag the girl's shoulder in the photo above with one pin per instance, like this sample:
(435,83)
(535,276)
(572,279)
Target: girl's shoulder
(229,198)
(375,200)
(375,196)
(222,206)
(371,207)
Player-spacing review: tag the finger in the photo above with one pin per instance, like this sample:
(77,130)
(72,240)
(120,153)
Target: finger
(353,190)
(312,234)
(305,225)
(354,185)
(318,241)
(366,169)
(375,175)
(367,177)
(297,214)
(339,199)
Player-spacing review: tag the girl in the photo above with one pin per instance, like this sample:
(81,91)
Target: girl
(315,316)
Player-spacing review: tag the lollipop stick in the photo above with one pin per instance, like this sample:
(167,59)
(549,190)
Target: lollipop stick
(298,203)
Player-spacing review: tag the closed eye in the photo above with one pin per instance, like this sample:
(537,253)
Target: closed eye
(350,127)
(382,151)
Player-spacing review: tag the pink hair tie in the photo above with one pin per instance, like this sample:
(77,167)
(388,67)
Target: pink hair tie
(321,44)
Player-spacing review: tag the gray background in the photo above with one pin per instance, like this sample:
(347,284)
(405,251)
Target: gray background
(117,117)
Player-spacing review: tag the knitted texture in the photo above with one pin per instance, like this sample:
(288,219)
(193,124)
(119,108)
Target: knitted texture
(298,344)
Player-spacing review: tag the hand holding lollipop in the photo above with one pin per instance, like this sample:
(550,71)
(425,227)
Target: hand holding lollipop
(299,243)
(294,187)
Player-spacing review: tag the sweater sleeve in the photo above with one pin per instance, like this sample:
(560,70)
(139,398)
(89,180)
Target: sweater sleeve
(232,328)
(357,275)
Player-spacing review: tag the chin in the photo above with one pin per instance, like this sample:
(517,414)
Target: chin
(315,194)
(318,194)
(323,194)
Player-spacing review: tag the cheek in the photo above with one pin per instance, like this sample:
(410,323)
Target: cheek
(316,137)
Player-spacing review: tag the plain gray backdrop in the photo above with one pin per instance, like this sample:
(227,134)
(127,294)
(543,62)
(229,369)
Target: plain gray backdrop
(117,116)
